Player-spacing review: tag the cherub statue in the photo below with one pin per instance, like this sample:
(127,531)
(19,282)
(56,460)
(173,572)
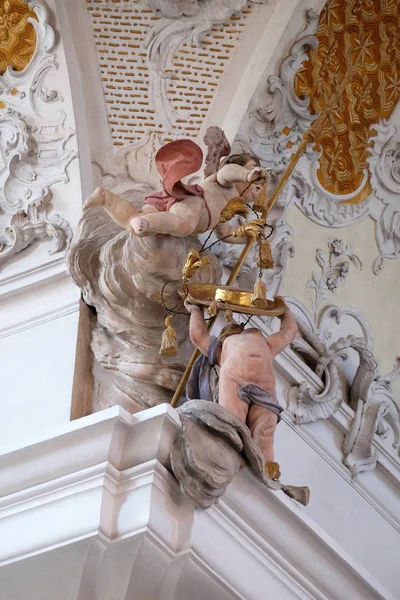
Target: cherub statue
(179,209)
(246,384)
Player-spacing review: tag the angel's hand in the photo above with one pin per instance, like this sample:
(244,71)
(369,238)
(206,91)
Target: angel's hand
(191,308)
(257,174)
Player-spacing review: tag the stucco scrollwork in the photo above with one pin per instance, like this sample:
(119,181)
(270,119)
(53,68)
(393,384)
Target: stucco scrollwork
(182,21)
(337,343)
(315,332)
(36,147)
(384,163)
(32,224)
(174,9)
(273,129)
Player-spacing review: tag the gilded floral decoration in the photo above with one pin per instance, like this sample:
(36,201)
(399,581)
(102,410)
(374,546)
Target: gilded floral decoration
(358,54)
(17,35)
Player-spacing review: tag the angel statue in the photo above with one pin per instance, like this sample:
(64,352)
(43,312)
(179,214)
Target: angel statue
(130,271)
(180,209)
(246,381)
(230,419)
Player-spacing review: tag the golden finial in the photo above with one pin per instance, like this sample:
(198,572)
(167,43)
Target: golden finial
(259,297)
(235,206)
(194,261)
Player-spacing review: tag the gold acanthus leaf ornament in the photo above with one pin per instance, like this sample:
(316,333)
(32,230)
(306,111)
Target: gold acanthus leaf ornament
(252,229)
(17,35)
(194,262)
(357,54)
(234,207)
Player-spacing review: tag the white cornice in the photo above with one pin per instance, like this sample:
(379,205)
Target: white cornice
(19,279)
(32,298)
(107,476)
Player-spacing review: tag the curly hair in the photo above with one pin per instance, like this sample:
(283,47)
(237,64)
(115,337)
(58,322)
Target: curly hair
(240,159)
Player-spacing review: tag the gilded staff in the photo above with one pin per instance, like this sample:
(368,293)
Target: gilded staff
(308,137)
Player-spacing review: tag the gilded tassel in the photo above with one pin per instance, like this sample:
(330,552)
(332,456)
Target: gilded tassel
(265,260)
(259,297)
(272,469)
(169,344)
(228,316)
(261,201)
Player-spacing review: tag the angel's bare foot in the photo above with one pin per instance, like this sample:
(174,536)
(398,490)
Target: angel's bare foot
(139,226)
(96,199)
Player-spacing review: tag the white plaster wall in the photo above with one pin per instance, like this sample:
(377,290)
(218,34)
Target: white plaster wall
(39,302)
(343,508)
(36,377)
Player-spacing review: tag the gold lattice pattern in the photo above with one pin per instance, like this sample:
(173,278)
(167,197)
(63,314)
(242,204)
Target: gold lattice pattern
(358,55)
(17,35)
(120,29)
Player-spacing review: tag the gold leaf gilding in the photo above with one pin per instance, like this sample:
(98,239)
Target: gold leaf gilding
(358,52)
(17,35)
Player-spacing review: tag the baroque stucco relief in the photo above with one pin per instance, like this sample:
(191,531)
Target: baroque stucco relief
(35,147)
(161,62)
(274,147)
(278,117)
(272,129)
(338,342)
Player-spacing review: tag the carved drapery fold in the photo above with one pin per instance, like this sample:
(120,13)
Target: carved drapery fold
(130,281)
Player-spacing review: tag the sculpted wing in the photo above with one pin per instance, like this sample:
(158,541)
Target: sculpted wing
(217,146)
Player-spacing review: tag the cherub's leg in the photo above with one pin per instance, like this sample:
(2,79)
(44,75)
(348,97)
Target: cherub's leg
(164,222)
(228,397)
(262,424)
(147,209)
(118,208)
(181,220)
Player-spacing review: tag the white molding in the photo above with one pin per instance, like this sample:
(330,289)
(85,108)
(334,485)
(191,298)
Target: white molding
(51,315)
(31,275)
(36,296)
(248,66)
(309,532)
(109,473)
(331,459)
